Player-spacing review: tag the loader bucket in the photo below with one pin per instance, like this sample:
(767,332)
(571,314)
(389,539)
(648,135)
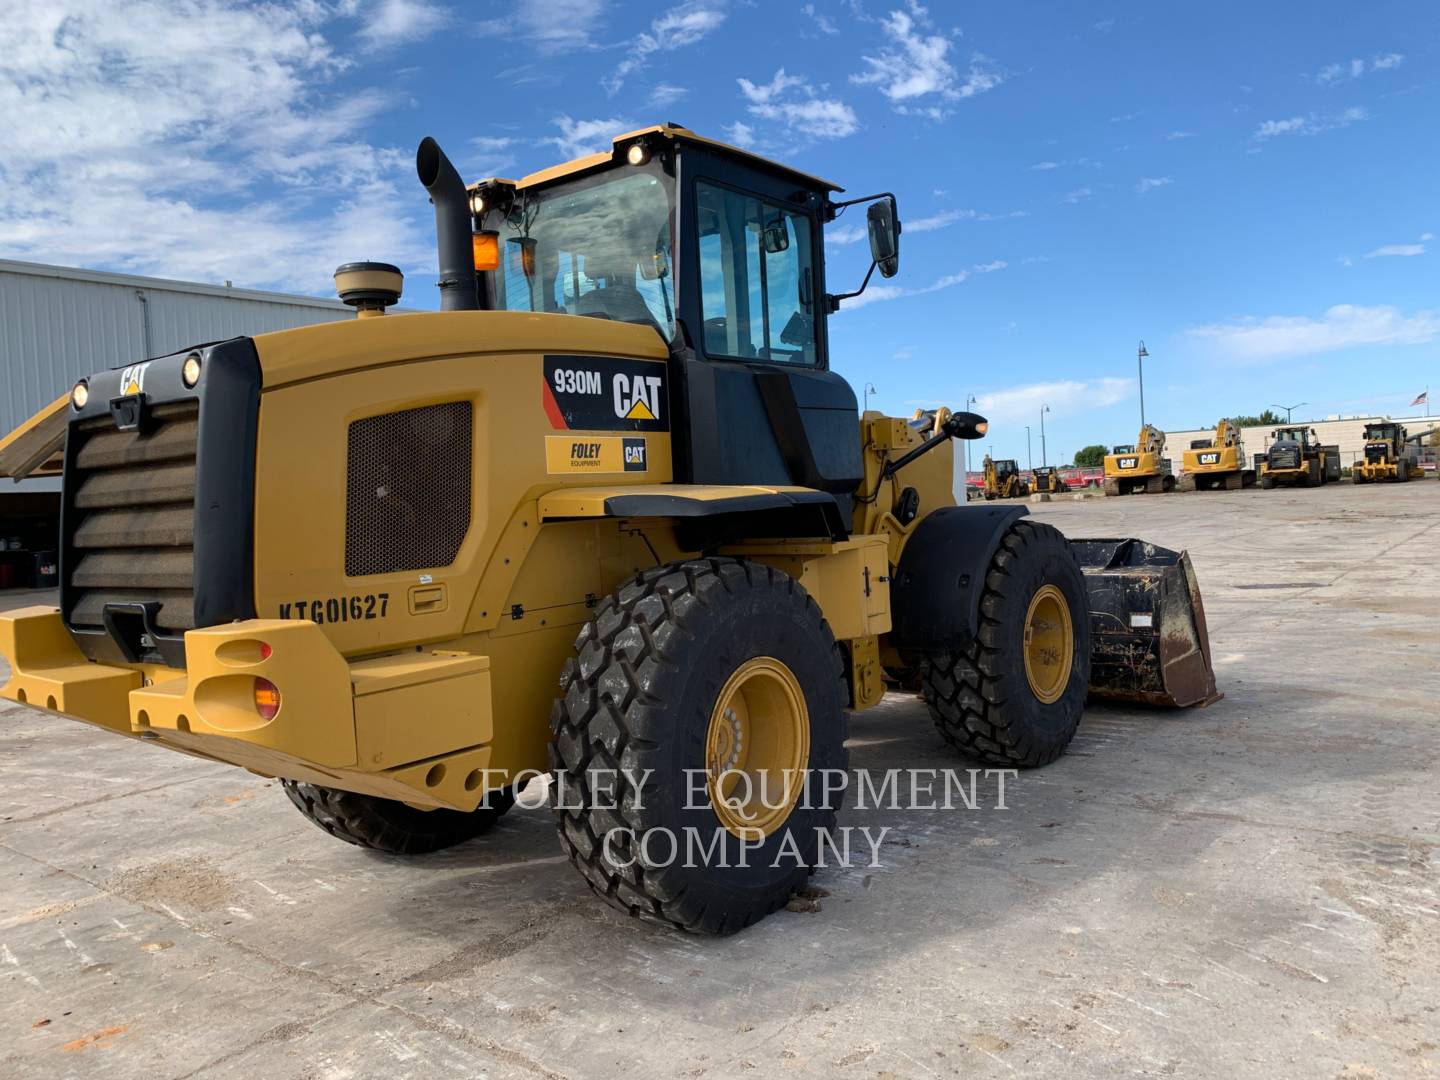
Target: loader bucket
(1148,639)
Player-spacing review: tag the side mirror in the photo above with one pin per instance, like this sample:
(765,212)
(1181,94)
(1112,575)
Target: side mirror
(966,425)
(884,227)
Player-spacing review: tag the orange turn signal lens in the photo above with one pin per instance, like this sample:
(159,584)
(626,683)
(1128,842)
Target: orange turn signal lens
(487,250)
(267,699)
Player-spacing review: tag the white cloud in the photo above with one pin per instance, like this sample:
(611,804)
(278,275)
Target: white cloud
(1313,124)
(823,23)
(1150,183)
(1343,326)
(938,221)
(842,235)
(877,293)
(913,70)
(548,26)
(680,26)
(209,139)
(580,137)
(1072,397)
(1078,195)
(1044,166)
(1400,250)
(1353,69)
(667,94)
(1172,136)
(740,133)
(399,22)
(802,112)
(491,155)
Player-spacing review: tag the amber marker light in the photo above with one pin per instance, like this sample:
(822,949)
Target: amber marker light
(487,250)
(267,699)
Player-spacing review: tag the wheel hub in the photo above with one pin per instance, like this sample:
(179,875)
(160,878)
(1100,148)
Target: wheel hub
(757,748)
(1049,644)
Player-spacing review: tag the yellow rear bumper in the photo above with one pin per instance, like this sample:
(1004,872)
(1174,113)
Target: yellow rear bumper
(414,727)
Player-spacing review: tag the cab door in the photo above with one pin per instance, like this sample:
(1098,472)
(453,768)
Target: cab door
(763,406)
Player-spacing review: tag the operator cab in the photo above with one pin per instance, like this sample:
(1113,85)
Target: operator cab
(1127,449)
(721,252)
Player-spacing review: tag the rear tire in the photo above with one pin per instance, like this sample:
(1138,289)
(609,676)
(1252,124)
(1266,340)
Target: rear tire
(386,825)
(651,679)
(981,698)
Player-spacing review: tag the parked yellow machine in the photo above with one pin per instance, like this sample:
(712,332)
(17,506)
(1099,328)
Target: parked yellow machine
(1217,462)
(1389,455)
(607,513)
(1142,466)
(1003,479)
(1048,480)
(1296,457)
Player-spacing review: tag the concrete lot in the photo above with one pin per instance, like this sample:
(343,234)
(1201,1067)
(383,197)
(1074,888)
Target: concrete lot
(1244,891)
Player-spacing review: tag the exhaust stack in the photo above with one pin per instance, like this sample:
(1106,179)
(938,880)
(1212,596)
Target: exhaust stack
(452,227)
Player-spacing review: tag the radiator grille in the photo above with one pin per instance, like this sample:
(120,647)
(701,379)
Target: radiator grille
(408,485)
(1285,458)
(135,507)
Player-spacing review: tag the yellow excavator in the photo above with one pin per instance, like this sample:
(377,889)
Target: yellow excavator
(1217,463)
(1141,467)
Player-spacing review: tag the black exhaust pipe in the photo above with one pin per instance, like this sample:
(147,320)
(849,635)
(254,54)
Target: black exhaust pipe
(452,227)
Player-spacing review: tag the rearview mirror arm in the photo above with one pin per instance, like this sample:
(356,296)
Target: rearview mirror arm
(832,300)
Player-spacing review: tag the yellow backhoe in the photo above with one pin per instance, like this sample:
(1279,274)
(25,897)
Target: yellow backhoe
(1217,463)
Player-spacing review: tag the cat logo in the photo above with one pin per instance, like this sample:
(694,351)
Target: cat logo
(637,397)
(1128,462)
(1211,458)
(132,379)
(634,455)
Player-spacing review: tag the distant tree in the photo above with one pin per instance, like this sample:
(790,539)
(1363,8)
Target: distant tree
(1268,418)
(1091,456)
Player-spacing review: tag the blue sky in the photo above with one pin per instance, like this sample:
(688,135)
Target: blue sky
(1250,188)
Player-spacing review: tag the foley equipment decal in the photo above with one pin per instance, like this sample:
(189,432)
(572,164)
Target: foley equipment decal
(604,393)
(594,454)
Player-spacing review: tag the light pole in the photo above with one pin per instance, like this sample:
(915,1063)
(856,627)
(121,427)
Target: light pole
(1287,409)
(1140,355)
(1043,459)
(869,389)
(1029,454)
(965,446)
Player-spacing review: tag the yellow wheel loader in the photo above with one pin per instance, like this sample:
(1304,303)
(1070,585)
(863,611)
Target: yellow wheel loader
(1003,479)
(1139,467)
(1217,463)
(1389,456)
(1295,458)
(607,516)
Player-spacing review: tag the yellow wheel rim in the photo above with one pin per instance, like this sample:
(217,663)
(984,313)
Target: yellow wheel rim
(1049,644)
(757,748)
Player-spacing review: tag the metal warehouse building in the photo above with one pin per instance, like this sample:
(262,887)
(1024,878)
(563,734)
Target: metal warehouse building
(59,324)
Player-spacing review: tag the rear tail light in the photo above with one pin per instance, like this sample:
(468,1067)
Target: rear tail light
(267,699)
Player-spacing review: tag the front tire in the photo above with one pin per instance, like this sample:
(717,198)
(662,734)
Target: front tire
(1014,696)
(393,827)
(699,671)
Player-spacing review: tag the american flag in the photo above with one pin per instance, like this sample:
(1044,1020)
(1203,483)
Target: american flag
(1423,399)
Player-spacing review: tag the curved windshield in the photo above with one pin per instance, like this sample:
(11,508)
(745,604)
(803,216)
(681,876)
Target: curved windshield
(600,248)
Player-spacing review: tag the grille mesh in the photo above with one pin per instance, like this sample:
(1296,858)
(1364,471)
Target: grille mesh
(134,526)
(408,489)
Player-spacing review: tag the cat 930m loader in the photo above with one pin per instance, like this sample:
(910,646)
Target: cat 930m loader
(608,515)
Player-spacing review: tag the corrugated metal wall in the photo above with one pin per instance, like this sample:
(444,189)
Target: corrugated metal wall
(59,325)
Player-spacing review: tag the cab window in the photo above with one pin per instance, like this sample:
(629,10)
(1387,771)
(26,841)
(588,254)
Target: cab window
(757,285)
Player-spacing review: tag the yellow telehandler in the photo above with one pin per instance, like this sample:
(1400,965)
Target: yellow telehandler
(608,514)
